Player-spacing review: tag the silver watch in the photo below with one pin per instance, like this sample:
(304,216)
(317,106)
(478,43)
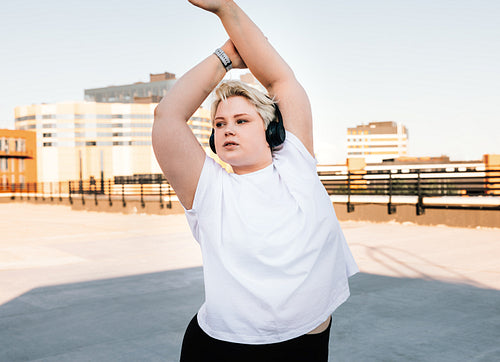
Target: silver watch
(226,62)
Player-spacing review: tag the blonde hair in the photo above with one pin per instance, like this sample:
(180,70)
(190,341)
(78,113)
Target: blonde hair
(232,88)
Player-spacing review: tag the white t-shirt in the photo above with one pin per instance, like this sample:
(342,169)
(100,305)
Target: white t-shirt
(275,260)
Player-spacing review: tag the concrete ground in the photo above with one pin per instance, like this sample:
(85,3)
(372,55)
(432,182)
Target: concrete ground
(88,286)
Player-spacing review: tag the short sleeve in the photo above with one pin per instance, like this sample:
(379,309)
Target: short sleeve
(210,177)
(208,193)
(294,149)
(297,169)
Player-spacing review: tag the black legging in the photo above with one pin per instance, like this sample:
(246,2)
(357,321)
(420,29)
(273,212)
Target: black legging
(198,346)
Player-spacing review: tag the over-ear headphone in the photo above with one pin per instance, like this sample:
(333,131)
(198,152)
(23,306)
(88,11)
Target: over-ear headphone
(275,132)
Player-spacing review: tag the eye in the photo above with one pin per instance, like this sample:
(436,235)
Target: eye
(218,124)
(241,121)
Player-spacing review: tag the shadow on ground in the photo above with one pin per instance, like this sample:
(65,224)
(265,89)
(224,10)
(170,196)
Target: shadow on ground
(142,318)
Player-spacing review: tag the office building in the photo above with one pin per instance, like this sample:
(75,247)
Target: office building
(140,92)
(377,141)
(91,140)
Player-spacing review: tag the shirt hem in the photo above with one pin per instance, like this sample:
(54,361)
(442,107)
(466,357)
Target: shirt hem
(275,338)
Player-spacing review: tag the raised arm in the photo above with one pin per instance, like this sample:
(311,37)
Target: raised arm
(177,150)
(267,66)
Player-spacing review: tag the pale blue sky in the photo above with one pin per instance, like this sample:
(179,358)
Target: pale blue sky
(431,64)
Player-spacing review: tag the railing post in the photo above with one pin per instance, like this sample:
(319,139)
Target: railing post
(391,209)
(161,197)
(420,203)
(350,207)
(95,193)
(69,193)
(169,205)
(51,191)
(109,193)
(12,189)
(142,195)
(123,195)
(82,191)
(60,191)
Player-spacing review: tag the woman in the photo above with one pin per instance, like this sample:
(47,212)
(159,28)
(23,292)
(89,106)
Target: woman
(275,260)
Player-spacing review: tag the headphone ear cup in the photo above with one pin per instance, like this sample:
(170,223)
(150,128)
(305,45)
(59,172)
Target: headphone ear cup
(275,132)
(211,141)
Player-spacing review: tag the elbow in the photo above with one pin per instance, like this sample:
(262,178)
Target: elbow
(159,126)
(161,117)
(159,113)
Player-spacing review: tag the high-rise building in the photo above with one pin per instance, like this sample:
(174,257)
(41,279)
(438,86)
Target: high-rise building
(17,159)
(377,141)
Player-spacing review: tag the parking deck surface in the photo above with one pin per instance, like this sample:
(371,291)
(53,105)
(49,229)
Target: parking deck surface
(88,286)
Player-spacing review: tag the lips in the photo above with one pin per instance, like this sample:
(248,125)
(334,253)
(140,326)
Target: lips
(229,144)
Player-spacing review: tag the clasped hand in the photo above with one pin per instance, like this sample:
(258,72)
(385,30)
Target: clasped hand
(210,5)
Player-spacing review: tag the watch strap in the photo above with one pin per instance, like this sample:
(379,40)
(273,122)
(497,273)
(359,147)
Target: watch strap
(226,62)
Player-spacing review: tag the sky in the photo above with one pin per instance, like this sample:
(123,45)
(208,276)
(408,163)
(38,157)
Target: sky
(432,65)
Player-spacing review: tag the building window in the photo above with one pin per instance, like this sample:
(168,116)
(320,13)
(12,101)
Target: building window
(26,118)
(21,165)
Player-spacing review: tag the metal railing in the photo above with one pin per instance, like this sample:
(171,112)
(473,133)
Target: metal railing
(469,189)
(96,191)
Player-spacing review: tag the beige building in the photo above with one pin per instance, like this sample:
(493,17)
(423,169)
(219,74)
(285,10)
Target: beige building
(84,140)
(377,141)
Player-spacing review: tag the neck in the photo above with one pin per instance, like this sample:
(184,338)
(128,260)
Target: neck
(242,170)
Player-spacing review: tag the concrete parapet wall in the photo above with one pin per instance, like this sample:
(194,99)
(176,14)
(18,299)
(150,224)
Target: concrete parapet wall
(362,212)
(407,213)
(133,205)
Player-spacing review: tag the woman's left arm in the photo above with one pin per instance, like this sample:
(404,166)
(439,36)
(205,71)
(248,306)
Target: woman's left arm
(267,66)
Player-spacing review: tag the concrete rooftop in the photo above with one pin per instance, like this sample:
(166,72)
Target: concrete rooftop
(88,286)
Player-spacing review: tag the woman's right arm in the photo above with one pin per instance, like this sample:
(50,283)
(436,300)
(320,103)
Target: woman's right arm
(177,150)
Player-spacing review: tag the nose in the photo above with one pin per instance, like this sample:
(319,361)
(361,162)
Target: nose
(229,132)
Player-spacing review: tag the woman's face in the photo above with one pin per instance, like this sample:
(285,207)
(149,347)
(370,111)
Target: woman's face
(240,136)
